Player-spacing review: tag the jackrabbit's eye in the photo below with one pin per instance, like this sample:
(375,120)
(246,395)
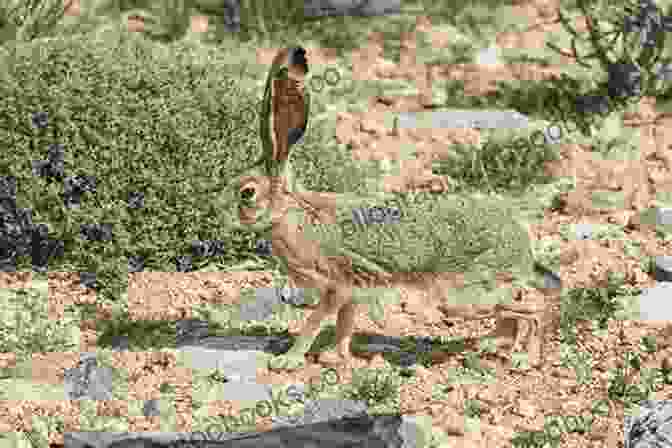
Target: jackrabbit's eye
(247,194)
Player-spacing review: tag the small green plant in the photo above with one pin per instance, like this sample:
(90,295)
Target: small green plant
(141,334)
(472,408)
(374,386)
(600,408)
(28,20)
(535,439)
(649,344)
(599,304)
(166,388)
(217,376)
(579,360)
(554,427)
(27,327)
(499,165)
(622,389)
(648,264)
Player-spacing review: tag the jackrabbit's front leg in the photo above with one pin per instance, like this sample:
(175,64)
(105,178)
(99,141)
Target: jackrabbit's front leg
(528,314)
(295,358)
(345,326)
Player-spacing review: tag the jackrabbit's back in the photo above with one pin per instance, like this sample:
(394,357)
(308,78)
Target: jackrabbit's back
(433,234)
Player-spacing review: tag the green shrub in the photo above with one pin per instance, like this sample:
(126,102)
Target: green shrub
(27,328)
(169,120)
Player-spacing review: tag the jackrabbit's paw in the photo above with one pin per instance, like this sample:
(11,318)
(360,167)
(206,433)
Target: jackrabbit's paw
(287,362)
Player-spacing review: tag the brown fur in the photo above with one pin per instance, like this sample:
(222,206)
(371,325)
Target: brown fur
(335,279)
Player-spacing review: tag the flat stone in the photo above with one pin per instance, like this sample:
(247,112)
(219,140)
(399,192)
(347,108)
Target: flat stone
(151,408)
(327,409)
(120,343)
(651,427)
(236,365)
(663,269)
(383,339)
(664,216)
(488,56)
(292,296)
(379,348)
(584,231)
(552,280)
(189,331)
(654,217)
(385,431)
(654,304)
(276,345)
(262,307)
(459,118)
(246,393)
(264,248)
(88,381)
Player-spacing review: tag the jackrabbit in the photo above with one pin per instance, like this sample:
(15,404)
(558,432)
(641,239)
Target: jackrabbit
(322,244)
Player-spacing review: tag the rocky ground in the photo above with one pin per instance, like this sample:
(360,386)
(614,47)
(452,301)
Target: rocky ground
(518,400)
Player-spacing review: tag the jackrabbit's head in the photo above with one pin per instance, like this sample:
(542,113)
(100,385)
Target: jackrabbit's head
(283,118)
(254,198)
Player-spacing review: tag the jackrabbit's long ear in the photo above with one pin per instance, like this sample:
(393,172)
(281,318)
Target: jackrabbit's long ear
(283,115)
(283,118)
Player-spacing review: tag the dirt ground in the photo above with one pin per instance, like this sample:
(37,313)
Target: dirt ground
(518,400)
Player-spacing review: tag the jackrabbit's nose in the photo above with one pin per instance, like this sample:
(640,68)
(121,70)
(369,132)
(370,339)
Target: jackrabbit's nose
(294,135)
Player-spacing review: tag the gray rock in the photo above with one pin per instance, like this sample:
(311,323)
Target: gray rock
(235,365)
(552,280)
(292,296)
(408,359)
(654,304)
(463,118)
(136,263)
(333,408)
(151,408)
(583,231)
(359,431)
(488,56)
(88,381)
(411,433)
(120,343)
(264,248)
(8,187)
(232,16)
(267,301)
(84,439)
(664,216)
(189,331)
(100,439)
(663,269)
(652,427)
(270,344)
(247,393)
(380,348)
(322,410)
(383,339)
